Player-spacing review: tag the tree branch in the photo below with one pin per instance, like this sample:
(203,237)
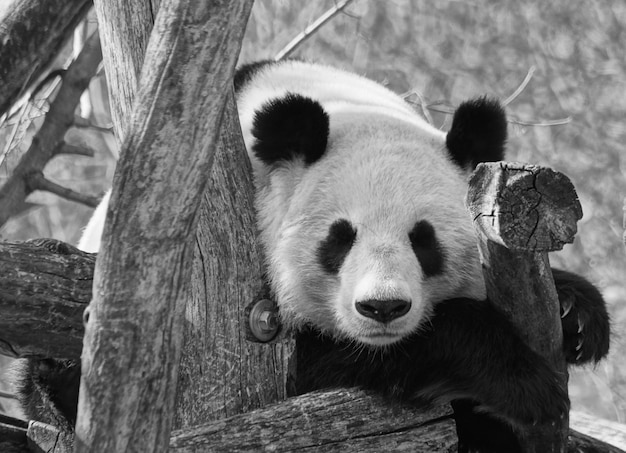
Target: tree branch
(311,29)
(32,33)
(58,119)
(37,181)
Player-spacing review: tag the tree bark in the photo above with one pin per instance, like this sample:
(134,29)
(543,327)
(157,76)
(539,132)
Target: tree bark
(125,28)
(345,420)
(338,420)
(31,35)
(521,212)
(45,285)
(134,332)
(222,373)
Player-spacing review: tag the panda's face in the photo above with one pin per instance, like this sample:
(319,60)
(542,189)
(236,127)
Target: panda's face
(363,241)
(360,202)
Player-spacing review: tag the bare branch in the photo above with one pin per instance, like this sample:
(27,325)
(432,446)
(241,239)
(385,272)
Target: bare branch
(311,29)
(58,119)
(547,123)
(37,181)
(32,33)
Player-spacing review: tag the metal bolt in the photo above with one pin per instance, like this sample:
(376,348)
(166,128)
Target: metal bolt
(268,321)
(263,320)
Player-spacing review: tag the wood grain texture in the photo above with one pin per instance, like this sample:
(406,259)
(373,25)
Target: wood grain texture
(45,285)
(520,213)
(134,334)
(524,207)
(32,33)
(338,420)
(222,373)
(125,29)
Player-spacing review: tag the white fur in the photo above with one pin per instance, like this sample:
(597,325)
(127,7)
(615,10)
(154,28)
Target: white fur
(90,240)
(385,169)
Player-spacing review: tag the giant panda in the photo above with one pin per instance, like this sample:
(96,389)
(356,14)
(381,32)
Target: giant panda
(371,254)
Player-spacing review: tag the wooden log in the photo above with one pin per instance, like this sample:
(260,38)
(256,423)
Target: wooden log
(521,212)
(32,32)
(142,276)
(338,420)
(45,285)
(346,420)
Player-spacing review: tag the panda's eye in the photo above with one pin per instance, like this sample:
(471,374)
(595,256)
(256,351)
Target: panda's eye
(427,248)
(333,250)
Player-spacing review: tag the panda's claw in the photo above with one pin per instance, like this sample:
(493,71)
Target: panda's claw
(580,344)
(581,324)
(566,307)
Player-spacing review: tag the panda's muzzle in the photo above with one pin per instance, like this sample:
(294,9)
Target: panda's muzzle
(383,311)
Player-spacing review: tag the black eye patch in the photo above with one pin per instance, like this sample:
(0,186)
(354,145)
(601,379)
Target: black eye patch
(333,250)
(427,248)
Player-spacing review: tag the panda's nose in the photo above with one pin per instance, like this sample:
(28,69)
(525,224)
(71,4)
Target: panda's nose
(383,310)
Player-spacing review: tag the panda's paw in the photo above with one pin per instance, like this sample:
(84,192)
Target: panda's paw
(533,394)
(539,403)
(584,318)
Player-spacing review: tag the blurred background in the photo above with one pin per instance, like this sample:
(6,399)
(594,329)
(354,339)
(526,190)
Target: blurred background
(560,65)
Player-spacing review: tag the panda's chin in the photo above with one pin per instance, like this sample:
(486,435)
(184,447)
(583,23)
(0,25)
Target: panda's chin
(380,340)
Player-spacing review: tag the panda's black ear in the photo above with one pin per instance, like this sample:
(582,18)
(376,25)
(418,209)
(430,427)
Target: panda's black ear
(290,127)
(478,133)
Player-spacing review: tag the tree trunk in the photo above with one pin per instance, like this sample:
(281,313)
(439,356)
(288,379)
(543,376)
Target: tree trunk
(134,333)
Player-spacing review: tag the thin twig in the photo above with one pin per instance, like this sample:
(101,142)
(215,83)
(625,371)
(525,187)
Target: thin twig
(37,181)
(521,87)
(547,123)
(421,102)
(310,29)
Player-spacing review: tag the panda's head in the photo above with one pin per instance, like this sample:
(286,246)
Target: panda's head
(361,213)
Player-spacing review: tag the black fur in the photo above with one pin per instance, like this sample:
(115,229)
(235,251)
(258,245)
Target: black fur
(585,320)
(246,72)
(290,127)
(48,391)
(478,133)
(333,250)
(427,248)
(467,350)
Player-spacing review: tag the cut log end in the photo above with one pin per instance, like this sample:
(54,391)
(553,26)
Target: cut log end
(523,207)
